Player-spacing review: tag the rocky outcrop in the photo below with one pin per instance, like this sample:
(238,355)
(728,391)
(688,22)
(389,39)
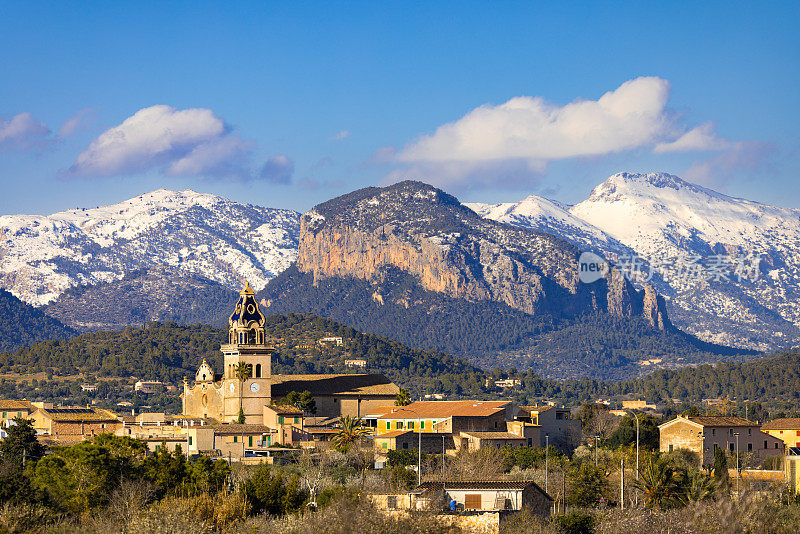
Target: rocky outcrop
(449,249)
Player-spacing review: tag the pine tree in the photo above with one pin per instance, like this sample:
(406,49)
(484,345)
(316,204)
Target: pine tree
(240,419)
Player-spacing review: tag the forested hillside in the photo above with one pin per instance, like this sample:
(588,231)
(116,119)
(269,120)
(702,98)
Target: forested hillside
(168,351)
(490,334)
(22,324)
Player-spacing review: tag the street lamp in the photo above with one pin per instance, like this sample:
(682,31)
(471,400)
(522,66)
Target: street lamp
(419,446)
(546,460)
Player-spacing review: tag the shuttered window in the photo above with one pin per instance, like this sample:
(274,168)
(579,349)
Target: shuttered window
(472,501)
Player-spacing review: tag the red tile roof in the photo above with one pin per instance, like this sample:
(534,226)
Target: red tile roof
(784,423)
(444,409)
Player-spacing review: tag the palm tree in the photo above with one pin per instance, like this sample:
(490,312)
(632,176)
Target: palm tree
(243,371)
(402,398)
(351,432)
(699,487)
(661,483)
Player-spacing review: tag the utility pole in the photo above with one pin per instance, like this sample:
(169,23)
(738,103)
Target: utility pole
(738,475)
(546,460)
(596,445)
(622,484)
(636,415)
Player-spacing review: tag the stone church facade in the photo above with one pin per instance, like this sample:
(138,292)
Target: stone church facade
(220,396)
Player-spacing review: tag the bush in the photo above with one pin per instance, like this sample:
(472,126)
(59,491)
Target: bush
(575,523)
(273,494)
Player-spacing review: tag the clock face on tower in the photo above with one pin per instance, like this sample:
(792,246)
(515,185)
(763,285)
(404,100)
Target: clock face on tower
(254,387)
(232,387)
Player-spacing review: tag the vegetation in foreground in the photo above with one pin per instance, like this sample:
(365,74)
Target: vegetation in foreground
(112,485)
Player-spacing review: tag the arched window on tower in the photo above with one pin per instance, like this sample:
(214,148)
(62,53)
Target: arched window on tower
(251,337)
(258,370)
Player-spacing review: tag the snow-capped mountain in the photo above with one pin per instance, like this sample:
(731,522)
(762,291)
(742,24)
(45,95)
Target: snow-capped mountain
(194,233)
(729,267)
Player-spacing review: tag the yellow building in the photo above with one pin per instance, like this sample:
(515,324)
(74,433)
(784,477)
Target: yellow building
(221,396)
(785,429)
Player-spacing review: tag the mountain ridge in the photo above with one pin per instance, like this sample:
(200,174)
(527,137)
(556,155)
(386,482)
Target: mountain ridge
(676,226)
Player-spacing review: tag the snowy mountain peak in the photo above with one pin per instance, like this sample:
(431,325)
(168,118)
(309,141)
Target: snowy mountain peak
(652,184)
(197,233)
(693,240)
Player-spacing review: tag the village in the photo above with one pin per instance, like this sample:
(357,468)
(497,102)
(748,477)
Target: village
(243,415)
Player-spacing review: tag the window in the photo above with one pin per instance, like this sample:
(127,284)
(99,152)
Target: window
(411,425)
(280,419)
(391,502)
(5,415)
(296,419)
(495,424)
(749,447)
(269,440)
(235,439)
(422,426)
(749,431)
(258,370)
(405,444)
(713,431)
(776,445)
(249,441)
(731,446)
(384,445)
(399,424)
(190,441)
(765,444)
(670,447)
(730,431)
(388,425)
(472,501)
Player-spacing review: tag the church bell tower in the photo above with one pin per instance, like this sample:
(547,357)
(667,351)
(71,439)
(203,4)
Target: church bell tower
(246,345)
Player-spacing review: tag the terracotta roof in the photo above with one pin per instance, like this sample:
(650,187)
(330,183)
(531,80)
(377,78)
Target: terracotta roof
(345,384)
(444,409)
(71,413)
(721,420)
(784,423)
(15,405)
(482,485)
(284,409)
(491,435)
(236,429)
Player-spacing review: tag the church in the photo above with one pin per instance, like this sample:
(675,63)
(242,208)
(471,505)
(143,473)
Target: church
(247,383)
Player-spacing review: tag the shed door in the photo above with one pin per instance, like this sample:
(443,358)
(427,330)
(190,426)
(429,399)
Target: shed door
(472,501)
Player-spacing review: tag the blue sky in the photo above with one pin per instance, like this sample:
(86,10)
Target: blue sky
(289,104)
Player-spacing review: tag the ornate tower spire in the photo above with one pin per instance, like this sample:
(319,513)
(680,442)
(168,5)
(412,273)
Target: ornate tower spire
(246,325)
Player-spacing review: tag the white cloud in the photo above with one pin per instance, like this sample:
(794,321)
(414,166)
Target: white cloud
(513,143)
(699,139)
(179,142)
(739,155)
(23,132)
(531,128)
(343,134)
(278,169)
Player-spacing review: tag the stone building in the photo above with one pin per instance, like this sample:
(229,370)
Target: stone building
(220,396)
(703,434)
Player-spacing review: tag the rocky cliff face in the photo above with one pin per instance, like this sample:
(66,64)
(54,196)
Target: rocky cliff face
(451,250)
